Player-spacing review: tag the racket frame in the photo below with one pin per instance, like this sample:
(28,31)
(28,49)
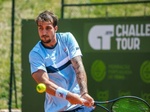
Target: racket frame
(99,103)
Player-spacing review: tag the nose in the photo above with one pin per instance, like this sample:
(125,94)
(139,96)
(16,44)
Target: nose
(43,32)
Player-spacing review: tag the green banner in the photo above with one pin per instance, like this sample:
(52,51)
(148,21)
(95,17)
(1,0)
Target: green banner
(116,55)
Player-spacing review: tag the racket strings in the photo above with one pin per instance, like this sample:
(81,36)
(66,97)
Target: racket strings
(125,104)
(130,105)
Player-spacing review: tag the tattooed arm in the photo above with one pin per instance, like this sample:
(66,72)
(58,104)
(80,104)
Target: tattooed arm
(82,80)
(81,74)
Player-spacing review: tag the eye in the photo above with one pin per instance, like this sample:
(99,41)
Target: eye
(48,28)
(40,28)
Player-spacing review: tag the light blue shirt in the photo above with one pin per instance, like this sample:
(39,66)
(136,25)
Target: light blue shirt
(56,62)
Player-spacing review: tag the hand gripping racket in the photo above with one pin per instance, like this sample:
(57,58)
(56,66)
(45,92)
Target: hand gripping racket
(125,104)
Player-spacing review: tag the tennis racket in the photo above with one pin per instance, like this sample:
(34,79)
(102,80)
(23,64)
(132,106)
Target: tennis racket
(125,104)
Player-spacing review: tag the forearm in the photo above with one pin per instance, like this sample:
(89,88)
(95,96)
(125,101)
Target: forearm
(81,74)
(41,77)
(51,88)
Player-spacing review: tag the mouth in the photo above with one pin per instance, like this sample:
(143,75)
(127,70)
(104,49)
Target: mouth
(45,36)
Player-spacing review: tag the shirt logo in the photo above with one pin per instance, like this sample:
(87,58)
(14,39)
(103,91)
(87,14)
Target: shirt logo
(65,49)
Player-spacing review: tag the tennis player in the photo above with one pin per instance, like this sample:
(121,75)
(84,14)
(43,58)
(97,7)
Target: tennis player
(56,61)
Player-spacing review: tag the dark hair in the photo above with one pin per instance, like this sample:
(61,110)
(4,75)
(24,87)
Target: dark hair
(47,16)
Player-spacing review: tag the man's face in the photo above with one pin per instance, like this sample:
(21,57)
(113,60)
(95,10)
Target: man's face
(46,32)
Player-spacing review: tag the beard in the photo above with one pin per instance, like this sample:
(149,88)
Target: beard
(45,39)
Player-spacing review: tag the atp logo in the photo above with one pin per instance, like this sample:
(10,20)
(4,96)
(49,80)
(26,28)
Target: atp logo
(99,37)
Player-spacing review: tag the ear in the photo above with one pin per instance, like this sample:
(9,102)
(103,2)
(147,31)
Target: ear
(56,28)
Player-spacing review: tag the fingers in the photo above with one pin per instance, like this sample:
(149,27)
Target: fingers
(74,98)
(88,100)
(88,104)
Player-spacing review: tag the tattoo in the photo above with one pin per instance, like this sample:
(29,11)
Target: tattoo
(81,74)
